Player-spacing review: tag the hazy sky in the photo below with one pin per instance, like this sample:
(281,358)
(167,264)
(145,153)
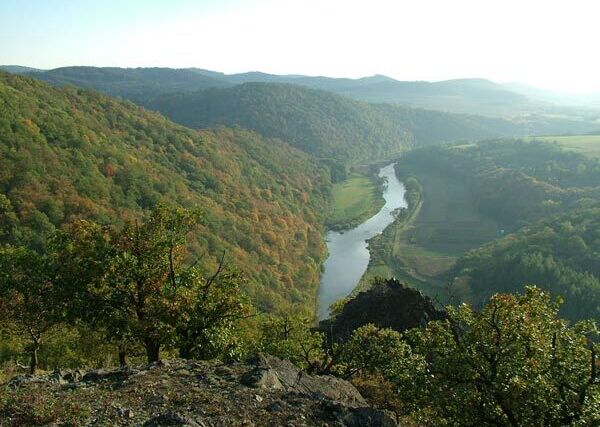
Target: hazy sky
(552,44)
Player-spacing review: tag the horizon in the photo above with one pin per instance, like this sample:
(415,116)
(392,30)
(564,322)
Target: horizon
(538,44)
(557,92)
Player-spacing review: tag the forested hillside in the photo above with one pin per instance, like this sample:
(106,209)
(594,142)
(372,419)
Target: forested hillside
(560,254)
(514,181)
(546,196)
(72,153)
(138,84)
(326,124)
(320,123)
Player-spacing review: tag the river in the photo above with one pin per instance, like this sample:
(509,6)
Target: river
(348,254)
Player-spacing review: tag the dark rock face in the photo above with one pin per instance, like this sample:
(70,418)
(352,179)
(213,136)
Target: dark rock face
(387,304)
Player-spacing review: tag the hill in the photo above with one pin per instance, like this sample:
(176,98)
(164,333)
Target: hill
(19,69)
(472,194)
(560,254)
(467,96)
(68,153)
(320,123)
(325,124)
(137,84)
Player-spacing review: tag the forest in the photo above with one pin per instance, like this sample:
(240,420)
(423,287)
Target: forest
(68,154)
(532,220)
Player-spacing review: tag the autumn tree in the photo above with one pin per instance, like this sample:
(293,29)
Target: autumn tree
(209,312)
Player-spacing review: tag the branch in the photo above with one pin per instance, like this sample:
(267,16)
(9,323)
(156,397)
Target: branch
(210,281)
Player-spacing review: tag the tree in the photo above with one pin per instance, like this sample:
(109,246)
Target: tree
(29,302)
(136,293)
(292,337)
(514,363)
(208,314)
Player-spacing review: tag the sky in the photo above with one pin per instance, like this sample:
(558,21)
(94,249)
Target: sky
(549,44)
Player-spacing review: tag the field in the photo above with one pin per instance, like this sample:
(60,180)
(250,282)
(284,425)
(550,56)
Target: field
(422,250)
(354,200)
(588,145)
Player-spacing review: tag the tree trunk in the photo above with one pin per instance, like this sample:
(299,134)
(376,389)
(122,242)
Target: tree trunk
(122,355)
(152,351)
(33,361)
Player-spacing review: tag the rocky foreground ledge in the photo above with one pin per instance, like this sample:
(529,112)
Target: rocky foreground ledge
(266,391)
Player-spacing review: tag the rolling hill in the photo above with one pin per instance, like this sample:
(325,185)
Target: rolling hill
(68,153)
(467,96)
(137,84)
(334,126)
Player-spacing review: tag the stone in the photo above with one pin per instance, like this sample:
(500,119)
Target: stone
(277,374)
(173,419)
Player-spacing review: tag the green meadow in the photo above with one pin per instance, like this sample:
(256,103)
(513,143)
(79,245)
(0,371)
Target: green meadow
(587,145)
(422,250)
(355,200)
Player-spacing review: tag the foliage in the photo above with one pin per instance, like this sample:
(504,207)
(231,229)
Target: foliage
(513,363)
(68,154)
(292,337)
(371,350)
(30,297)
(560,254)
(144,293)
(207,326)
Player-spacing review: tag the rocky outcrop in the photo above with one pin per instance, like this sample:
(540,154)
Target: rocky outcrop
(266,391)
(387,304)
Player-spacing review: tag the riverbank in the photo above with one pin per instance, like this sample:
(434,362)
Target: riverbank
(355,200)
(421,246)
(348,255)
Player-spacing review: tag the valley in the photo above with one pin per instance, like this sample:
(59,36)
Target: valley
(348,254)
(422,247)
(294,213)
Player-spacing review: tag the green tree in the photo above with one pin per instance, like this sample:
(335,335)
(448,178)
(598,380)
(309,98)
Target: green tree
(514,363)
(209,311)
(292,337)
(29,297)
(136,293)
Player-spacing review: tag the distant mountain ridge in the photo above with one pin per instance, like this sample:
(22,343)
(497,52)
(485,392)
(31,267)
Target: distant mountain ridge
(466,95)
(329,125)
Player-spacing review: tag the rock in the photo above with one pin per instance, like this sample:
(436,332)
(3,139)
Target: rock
(387,304)
(125,413)
(58,376)
(108,374)
(200,396)
(369,417)
(61,376)
(276,374)
(173,419)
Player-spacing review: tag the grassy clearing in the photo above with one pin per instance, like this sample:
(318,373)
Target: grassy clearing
(354,201)
(588,145)
(422,250)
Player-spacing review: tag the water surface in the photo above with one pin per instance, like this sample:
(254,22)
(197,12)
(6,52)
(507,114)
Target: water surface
(348,255)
